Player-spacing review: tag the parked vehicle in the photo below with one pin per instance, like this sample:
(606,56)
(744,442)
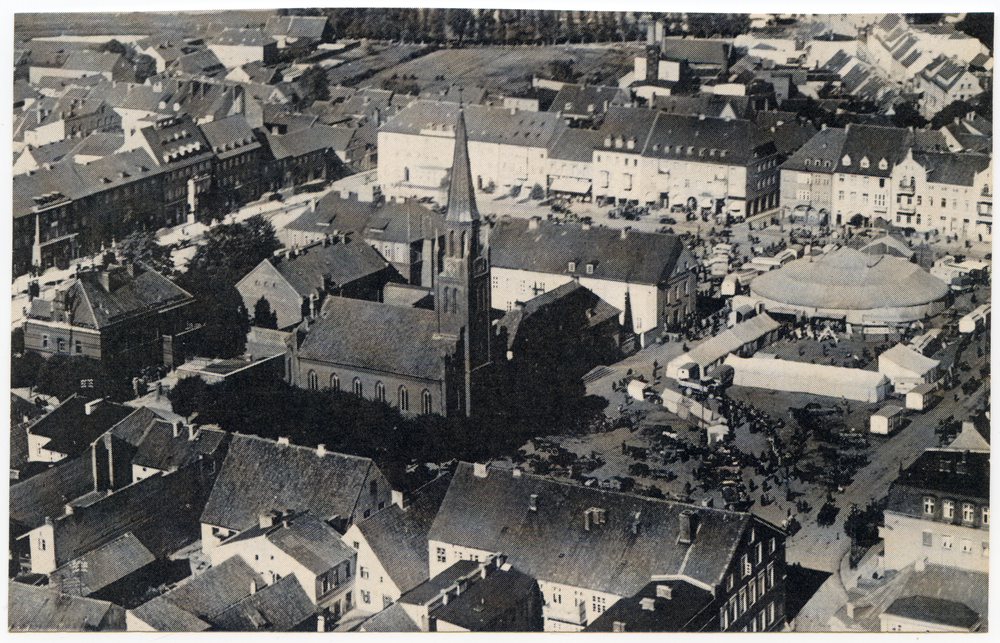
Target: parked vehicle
(668,221)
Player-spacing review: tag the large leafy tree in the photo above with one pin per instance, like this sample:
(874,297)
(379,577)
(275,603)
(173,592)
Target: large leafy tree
(263,316)
(228,254)
(978,25)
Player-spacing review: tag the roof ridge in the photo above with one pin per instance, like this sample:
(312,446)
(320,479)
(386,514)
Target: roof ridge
(302,446)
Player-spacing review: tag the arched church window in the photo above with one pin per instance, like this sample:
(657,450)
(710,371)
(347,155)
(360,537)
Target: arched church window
(313,380)
(461,248)
(380,391)
(454,300)
(334,382)
(425,402)
(404,399)
(444,302)
(358,388)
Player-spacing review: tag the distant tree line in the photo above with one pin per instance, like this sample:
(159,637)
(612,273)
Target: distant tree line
(517,26)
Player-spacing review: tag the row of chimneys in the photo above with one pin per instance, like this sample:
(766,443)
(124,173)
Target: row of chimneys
(662,591)
(461,584)
(536,220)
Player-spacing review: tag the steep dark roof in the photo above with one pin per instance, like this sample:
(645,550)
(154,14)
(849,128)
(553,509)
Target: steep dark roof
(574,144)
(305,141)
(280,607)
(339,263)
(484,124)
(668,615)
(398,537)
(230,136)
(94,61)
(707,104)
(259,476)
(296,26)
(641,257)
(103,566)
(587,99)
(160,511)
(948,472)
(70,428)
(164,616)
(953,169)
(220,587)
(934,610)
(40,609)
(47,493)
(824,146)
(243,37)
(571,297)
(134,428)
(551,544)
(365,334)
(393,619)
(431,588)
(478,607)
(695,51)
(308,540)
(715,140)
(334,213)
(161,450)
(178,142)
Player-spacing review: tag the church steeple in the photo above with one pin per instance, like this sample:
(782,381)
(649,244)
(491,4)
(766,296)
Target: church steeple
(461,198)
(462,286)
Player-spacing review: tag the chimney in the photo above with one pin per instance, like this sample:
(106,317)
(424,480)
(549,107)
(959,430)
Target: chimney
(585,225)
(533,502)
(89,407)
(265,520)
(68,509)
(635,523)
(479,469)
(687,528)
(283,440)
(648,604)
(664,591)
(701,117)
(482,571)
(177,428)
(321,450)
(399,499)
(193,431)
(625,231)
(533,222)
(312,205)
(513,111)
(921,564)
(320,623)
(850,610)
(353,196)
(516,472)
(253,587)
(105,280)
(586,520)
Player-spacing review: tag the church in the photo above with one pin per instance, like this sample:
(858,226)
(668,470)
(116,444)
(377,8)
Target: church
(418,359)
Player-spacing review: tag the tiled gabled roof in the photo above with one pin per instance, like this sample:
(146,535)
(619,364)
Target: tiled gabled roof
(47,493)
(259,476)
(483,123)
(164,616)
(398,537)
(280,607)
(71,429)
(296,26)
(552,544)
(365,334)
(342,263)
(230,136)
(103,566)
(220,587)
(94,61)
(572,298)
(243,37)
(934,610)
(40,609)
(161,450)
(587,99)
(640,257)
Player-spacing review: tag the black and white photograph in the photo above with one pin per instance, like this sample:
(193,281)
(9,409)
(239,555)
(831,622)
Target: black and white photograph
(483,320)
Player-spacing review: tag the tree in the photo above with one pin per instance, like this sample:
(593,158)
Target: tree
(115,47)
(313,85)
(24,369)
(537,192)
(232,250)
(64,375)
(187,396)
(17,341)
(562,70)
(951,111)
(906,115)
(142,246)
(978,25)
(263,316)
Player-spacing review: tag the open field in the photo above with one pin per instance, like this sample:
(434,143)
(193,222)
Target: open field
(382,58)
(505,69)
(35,25)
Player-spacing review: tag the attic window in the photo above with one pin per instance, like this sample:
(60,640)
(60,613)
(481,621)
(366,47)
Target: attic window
(883,165)
(846,161)
(864,163)
(631,144)
(590,268)
(619,142)
(572,266)
(607,142)
(807,162)
(826,163)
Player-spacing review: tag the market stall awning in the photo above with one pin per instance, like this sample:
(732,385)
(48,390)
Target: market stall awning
(570,184)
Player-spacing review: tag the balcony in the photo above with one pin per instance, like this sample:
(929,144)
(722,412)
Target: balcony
(907,187)
(902,208)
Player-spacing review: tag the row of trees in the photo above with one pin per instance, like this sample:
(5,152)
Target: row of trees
(517,26)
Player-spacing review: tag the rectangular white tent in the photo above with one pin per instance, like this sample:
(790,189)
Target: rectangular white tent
(906,368)
(817,379)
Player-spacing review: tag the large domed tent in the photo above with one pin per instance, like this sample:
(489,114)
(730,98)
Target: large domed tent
(870,290)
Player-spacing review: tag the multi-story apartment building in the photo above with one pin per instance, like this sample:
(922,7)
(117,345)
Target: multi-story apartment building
(589,549)
(939,511)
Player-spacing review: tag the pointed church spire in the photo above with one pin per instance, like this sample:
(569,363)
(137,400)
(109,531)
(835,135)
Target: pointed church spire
(461,198)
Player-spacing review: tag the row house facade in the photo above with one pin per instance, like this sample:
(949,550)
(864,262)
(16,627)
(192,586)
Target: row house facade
(942,82)
(534,521)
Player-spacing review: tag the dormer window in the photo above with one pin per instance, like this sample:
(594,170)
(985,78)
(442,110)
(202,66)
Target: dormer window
(807,162)
(864,163)
(883,165)
(590,268)
(619,142)
(630,144)
(846,161)
(572,266)
(607,141)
